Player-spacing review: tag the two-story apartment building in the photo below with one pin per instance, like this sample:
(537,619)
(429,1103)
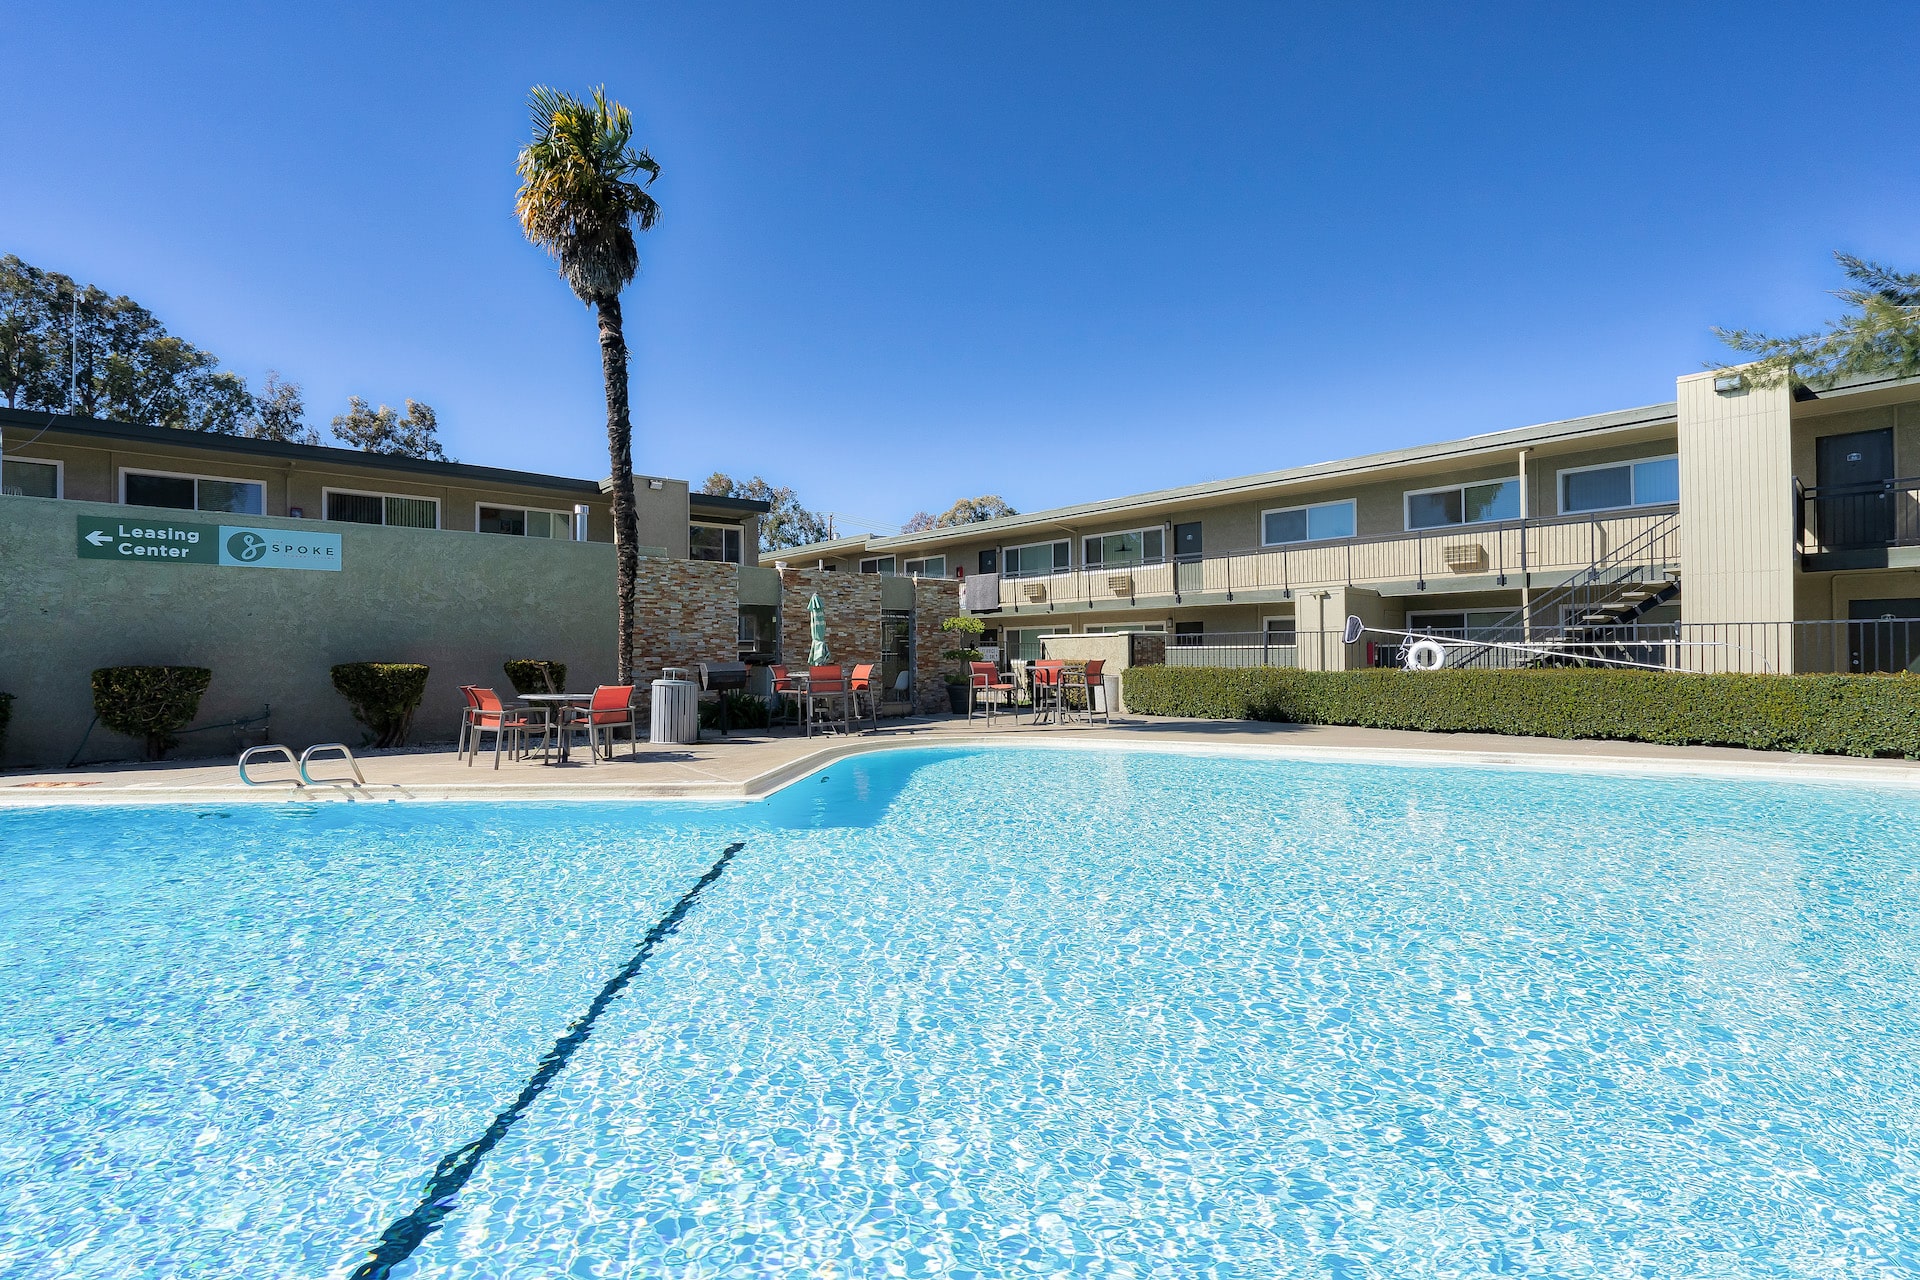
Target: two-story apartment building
(46,455)
(1731,528)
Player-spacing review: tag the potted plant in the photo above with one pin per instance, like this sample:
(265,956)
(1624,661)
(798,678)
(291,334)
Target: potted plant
(968,631)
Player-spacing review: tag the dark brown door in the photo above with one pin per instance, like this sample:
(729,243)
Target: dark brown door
(1883,635)
(1855,506)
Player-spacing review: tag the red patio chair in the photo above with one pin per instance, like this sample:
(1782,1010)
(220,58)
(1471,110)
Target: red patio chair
(612,707)
(488,716)
(861,683)
(825,685)
(987,689)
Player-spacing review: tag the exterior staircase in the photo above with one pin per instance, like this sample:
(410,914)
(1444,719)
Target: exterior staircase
(1591,614)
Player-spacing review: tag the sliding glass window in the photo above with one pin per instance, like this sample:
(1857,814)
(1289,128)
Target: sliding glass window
(1306,524)
(1480,503)
(393,509)
(1648,482)
(193,493)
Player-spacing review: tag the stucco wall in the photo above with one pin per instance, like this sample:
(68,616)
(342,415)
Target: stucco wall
(462,604)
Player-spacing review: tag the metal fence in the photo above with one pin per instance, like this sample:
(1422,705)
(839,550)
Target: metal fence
(1822,647)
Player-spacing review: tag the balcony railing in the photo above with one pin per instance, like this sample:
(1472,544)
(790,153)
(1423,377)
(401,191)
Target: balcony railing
(1426,560)
(1852,526)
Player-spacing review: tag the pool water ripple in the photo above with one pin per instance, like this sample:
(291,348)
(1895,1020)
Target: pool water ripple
(983,1014)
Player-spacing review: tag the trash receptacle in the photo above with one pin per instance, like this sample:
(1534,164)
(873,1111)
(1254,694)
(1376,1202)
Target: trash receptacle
(676,710)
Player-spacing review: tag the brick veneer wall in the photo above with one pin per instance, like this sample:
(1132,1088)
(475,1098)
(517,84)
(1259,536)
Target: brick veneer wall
(685,611)
(934,601)
(853,605)
(851,602)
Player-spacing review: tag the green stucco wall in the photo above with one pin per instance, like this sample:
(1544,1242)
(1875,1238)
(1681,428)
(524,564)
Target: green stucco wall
(462,603)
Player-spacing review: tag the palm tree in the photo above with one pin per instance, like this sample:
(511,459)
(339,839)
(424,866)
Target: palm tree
(578,200)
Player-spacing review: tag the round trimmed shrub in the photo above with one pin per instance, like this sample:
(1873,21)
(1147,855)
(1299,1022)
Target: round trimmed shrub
(149,703)
(525,675)
(384,696)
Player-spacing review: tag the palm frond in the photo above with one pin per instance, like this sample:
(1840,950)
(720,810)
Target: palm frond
(578,197)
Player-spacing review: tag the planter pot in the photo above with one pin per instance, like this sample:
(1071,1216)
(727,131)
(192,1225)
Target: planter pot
(957,699)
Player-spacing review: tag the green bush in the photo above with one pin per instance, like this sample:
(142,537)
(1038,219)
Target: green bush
(149,703)
(525,675)
(1863,715)
(384,696)
(744,711)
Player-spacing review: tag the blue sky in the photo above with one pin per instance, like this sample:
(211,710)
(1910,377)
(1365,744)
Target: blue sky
(914,252)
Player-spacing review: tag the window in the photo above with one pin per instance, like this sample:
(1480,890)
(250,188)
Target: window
(30,478)
(877,564)
(714,542)
(1023,643)
(931,567)
(524,522)
(1306,524)
(1036,559)
(1115,628)
(381,508)
(1280,630)
(1476,503)
(193,493)
(1186,635)
(1122,550)
(1645,483)
(1474,624)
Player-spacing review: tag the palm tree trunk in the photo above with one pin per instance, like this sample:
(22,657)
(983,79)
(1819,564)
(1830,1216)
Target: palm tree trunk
(626,525)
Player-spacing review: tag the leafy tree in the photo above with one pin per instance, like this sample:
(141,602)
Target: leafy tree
(71,348)
(1879,338)
(918,522)
(382,430)
(280,413)
(580,202)
(786,523)
(973,510)
(26,337)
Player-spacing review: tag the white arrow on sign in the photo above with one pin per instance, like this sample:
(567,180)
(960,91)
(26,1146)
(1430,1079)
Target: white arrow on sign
(99,539)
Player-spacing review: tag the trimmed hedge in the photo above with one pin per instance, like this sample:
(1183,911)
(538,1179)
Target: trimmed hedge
(149,703)
(384,696)
(1863,715)
(525,675)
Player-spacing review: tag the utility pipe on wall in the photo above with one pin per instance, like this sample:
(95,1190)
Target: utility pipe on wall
(1526,578)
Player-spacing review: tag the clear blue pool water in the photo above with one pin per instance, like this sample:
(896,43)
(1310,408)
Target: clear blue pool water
(1021,1013)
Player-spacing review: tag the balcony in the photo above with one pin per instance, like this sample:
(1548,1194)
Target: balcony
(1460,558)
(1866,526)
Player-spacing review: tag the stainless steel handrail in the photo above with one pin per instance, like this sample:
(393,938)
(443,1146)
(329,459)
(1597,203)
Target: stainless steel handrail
(305,756)
(251,752)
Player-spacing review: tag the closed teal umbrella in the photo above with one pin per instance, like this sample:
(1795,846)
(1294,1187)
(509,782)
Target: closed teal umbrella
(818,655)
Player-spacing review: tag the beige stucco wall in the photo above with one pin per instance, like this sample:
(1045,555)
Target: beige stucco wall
(462,604)
(91,467)
(1736,493)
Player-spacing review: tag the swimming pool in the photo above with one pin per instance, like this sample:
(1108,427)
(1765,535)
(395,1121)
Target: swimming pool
(974,1014)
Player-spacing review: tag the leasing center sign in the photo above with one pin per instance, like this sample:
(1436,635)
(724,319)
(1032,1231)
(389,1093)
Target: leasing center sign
(180,542)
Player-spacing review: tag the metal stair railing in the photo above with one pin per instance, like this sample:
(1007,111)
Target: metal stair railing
(1649,556)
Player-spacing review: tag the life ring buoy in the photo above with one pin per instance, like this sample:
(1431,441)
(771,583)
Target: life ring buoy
(1425,655)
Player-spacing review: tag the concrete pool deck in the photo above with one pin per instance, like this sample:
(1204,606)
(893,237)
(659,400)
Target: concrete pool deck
(747,765)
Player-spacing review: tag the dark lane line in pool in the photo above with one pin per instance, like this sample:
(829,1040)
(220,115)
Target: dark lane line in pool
(406,1234)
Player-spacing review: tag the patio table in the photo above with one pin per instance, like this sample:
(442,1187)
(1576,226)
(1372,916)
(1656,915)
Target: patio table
(557,703)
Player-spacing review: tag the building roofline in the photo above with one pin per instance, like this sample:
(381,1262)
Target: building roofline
(1512,438)
(133,432)
(720,502)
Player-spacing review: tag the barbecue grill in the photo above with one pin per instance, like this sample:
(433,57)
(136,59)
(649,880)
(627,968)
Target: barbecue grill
(723,678)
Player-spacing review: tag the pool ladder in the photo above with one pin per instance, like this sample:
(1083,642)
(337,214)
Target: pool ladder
(306,778)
